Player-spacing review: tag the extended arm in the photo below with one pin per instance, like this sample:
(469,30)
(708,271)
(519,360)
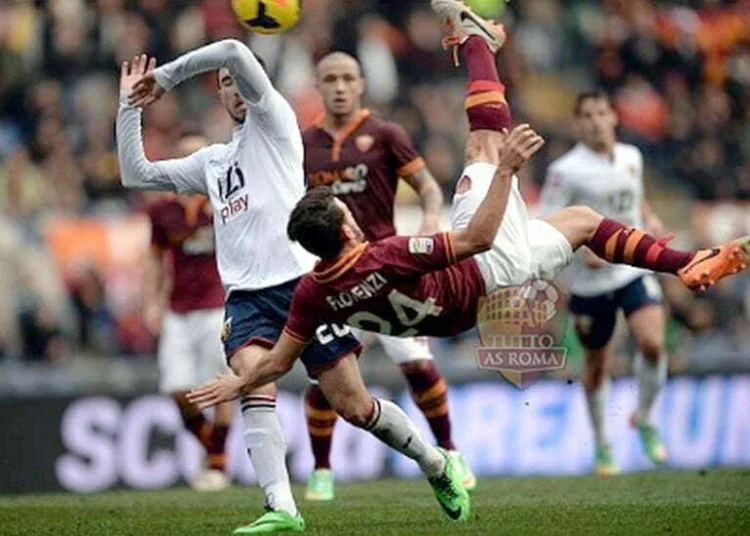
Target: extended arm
(136,171)
(478,236)
(430,197)
(251,79)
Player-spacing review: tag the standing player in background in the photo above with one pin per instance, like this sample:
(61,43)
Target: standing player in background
(184,306)
(253,183)
(608,176)
(361,157)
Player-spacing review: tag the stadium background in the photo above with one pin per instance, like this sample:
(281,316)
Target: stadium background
(76,361)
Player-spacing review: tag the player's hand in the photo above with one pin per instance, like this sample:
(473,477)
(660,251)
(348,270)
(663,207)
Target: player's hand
(137,80)
(224,388)
(519,146)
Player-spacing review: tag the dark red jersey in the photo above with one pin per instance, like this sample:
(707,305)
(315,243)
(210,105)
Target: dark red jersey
(362,164)
(185,230)
(400,286)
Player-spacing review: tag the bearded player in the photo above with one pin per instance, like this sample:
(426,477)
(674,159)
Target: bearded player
(253,183)
(608,176)
(184,306)
(361,157)
(432,285)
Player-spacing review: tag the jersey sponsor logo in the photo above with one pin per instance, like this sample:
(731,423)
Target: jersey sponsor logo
(364,142)
(233,208)
(421,245)
(464,185)
(229,186)
(350,180)
(367,288)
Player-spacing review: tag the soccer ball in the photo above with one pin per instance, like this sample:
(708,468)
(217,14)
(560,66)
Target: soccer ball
(267,16)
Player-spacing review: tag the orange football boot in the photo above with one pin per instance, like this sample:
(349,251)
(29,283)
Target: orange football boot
(709,265)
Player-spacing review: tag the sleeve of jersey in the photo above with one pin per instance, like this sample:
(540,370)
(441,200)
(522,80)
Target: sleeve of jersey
(406,156)
(300,324)
(415,255)
(557,192)
(268,106)
(138,172)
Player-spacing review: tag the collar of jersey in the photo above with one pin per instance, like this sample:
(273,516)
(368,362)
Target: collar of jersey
(349,127)
(326,274)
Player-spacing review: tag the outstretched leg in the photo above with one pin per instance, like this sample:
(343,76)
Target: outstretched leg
(617,243)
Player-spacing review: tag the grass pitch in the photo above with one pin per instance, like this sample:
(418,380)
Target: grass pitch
(703,503)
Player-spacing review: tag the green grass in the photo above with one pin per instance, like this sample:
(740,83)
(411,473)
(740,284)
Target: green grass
(706,503)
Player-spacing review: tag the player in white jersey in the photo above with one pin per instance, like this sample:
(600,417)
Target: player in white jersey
(608,176)
(253,182)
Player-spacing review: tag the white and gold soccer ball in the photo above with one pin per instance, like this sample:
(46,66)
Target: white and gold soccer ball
(267,16)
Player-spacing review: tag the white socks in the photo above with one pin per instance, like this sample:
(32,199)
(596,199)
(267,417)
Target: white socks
(267,449)
(394,428)
(650,380)
(597,403)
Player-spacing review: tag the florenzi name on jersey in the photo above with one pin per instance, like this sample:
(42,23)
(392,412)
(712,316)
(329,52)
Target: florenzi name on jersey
(363,290)
(350,180)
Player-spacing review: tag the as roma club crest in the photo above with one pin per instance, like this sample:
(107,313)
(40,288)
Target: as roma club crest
(364,142)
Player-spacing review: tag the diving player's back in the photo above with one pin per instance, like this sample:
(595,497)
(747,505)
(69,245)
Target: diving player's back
(400,286)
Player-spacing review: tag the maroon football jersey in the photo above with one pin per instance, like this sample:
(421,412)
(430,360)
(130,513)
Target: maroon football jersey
(185,230)
(362,164)
(400,286)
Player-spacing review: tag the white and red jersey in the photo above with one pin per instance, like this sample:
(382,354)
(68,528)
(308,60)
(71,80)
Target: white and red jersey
(253,182)
(614,188)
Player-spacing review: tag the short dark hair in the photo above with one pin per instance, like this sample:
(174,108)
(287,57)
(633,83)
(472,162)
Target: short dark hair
(595,94)
(316,223)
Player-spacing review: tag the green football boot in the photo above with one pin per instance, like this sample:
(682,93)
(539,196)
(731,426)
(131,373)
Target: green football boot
(272,522)
(604,461)
(320,485)
(450,493)
(467,475)
(652,445)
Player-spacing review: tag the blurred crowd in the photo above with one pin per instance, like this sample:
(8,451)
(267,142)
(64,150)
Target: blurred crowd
(678,72)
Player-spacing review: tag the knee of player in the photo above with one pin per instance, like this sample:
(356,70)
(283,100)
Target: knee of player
(652,348)
(357,411)
(586,217)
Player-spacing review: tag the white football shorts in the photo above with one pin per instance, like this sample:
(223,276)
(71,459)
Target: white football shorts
(190,349)
(524,248)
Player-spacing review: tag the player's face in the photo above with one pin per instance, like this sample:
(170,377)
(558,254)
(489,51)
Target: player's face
(341,85)
(596,123)
(349,227)
(230,97)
